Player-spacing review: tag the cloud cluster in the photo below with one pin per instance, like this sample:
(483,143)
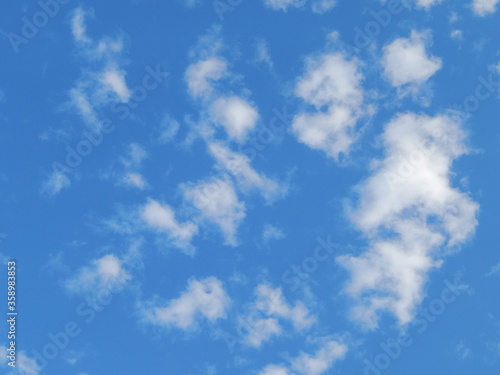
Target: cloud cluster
(410,213)
(331,86)
(272,310)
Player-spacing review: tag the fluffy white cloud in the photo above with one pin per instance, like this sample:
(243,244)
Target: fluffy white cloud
(321,361)
(238,165)
(162,218)
(332,85)
(272,308)
(206,78)
(484,7)
(406,60)
(202,299)
(113,80)
(106,273)
(217,202)
(236,115)
(262,330)
(318,363)
(201,76)
(410,214)
(271,302)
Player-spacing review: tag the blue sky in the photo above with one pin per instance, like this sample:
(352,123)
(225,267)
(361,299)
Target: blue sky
(268,187)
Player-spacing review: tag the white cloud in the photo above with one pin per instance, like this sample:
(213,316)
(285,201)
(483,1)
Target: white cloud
(484,7)
(106,273)
(317,6)
(126,171)
(218,203)
(272,303)
(135,180)
(236,115)
(25,365)
(495,270)
(162,218)
(113,80)
(284,4)
(168,129)
(271,232)
(426,4)
(262,330)
(55,182)
(78,26)
(323,6)
(271,308)
(104,82)
(201,75)
(318,363)
(410,214)
(457,34)
(406,60)
(238,165)
(204,298)
(262,54)
(274,370)
(332,85)
(322,360)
